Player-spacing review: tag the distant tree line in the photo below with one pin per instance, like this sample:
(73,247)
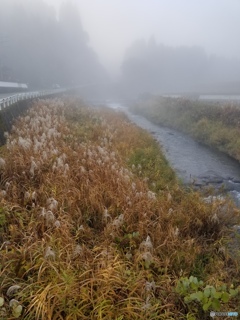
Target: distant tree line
(41,48)
(156,68)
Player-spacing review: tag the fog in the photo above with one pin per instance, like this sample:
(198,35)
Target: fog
(155,46)
(43,48)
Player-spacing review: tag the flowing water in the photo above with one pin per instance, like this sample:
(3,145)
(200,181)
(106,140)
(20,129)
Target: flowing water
(193,162)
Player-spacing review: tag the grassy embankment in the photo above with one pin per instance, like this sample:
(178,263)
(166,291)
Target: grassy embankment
(93,224)
(215,125)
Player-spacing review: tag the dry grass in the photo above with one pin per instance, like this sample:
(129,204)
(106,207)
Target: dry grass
(214,124)
(94,224)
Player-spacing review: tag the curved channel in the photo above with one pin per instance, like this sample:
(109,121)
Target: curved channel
(193,162)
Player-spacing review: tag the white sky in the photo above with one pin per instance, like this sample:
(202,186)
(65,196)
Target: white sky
(113,25)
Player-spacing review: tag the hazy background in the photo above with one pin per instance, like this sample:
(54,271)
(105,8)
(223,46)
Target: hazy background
(156,46)
(113,25)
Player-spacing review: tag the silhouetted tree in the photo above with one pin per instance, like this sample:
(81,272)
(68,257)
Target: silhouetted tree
(156,68)
(43,49)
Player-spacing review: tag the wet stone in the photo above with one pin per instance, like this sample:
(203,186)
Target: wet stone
(215,180)
(235,180)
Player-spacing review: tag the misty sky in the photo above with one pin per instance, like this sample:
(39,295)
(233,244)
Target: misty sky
(113,25)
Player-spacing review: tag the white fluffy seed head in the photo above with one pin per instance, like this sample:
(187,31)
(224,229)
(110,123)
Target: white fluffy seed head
(150,286)
(57,224)
(151,195)
(117,222)
(147,304)
(49,253)
(7,185)
(2,163)
(43,213)
(214,218)
(34,196)
(106,215)
(147,257)
(78,251)
(52,204)
(3,193)
(50,218)
(176,232)
(33,167)
(147,245)
(26,195)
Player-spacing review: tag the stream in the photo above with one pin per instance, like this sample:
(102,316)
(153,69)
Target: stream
(194,163)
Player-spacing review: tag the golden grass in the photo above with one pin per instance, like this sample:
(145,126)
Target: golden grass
(94,224)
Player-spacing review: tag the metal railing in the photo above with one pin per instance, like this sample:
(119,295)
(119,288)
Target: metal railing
(8,101)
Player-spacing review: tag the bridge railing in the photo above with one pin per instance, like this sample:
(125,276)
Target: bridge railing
(8,101)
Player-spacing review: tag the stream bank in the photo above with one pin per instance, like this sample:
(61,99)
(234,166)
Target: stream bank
(194,163)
